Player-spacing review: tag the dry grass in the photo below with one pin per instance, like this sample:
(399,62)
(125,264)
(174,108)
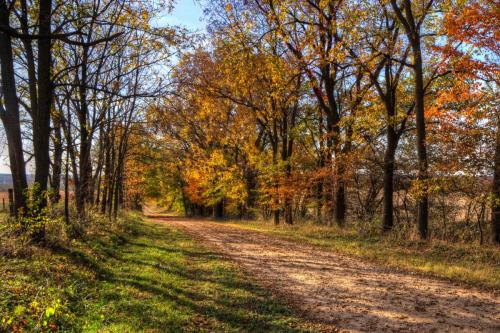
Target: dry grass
(471,264)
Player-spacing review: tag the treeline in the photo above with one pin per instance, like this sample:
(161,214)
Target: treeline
(368,112)
(74,76)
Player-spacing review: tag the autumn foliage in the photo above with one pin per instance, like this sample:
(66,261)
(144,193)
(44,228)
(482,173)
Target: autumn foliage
(315,111)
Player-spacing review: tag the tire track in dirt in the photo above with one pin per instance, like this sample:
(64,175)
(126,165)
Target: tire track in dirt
(353,295)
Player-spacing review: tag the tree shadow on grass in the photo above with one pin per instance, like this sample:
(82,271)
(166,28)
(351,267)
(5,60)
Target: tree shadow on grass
(156,280)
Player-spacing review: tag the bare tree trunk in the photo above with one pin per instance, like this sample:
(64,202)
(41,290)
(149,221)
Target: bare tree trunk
(422,201)
(390,153)
(57,162)
(85,139)
(96,182)
(30,59)
(107,172)
(340,183)
(219,210)
(117,201)
(389,100)
(340,197)
(41,116)
(388,212)
(276,210)
(495,209)
(286,153)
(112,177)
(330,186)
(97,186)
(10,115)
(66,190)
(321,164)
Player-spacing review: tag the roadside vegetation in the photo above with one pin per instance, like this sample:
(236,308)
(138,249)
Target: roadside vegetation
(130,276)
(465,263)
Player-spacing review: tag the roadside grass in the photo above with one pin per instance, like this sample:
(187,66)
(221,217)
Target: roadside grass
(147,278)
(473,264)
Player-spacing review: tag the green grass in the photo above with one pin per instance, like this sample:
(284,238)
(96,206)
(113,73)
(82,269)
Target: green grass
(473,264)
(151,278)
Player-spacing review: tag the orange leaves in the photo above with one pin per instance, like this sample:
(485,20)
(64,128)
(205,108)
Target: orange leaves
(476,23)
(194,188)
(459,124)
(474,27)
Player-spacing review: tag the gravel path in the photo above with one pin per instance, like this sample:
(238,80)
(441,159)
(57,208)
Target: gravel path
(353,295)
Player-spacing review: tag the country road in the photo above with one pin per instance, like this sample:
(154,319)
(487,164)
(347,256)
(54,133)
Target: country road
(353,295)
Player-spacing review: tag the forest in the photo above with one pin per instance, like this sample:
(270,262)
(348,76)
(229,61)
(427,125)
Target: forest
(301,143)
(335,112)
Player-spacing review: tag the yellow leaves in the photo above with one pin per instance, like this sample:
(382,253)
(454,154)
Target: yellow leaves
(213,178)
(228,7)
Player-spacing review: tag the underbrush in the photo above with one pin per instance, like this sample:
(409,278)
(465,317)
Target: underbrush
(42,282)
(472,264)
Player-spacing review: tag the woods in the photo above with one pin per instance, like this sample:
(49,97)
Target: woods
(249,166)
(73,83)
(380,114)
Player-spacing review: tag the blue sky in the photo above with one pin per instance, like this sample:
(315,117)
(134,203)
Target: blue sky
(186,13)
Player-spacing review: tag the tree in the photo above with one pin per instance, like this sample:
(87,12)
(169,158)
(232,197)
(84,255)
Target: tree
(412,18)
(473,27)
(9,113)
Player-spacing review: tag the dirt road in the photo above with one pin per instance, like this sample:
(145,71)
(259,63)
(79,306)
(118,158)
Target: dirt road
(354,295)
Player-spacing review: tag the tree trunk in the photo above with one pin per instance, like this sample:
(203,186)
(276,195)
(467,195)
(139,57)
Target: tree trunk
(66,190)
(340,202)
(117,199)
(413,33)
(96,181)
(251,185)
(286,152)
(422,202)
(57,162)
(112,175)
(30,59)
(495,209)
(219,210)
(388,214)
(319,200)
(85,140)
(330,186)
(10,115)
(340,208)
(276,210)
(107,174)
(389,157)
(321,165)
(41,116)
(276,216)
